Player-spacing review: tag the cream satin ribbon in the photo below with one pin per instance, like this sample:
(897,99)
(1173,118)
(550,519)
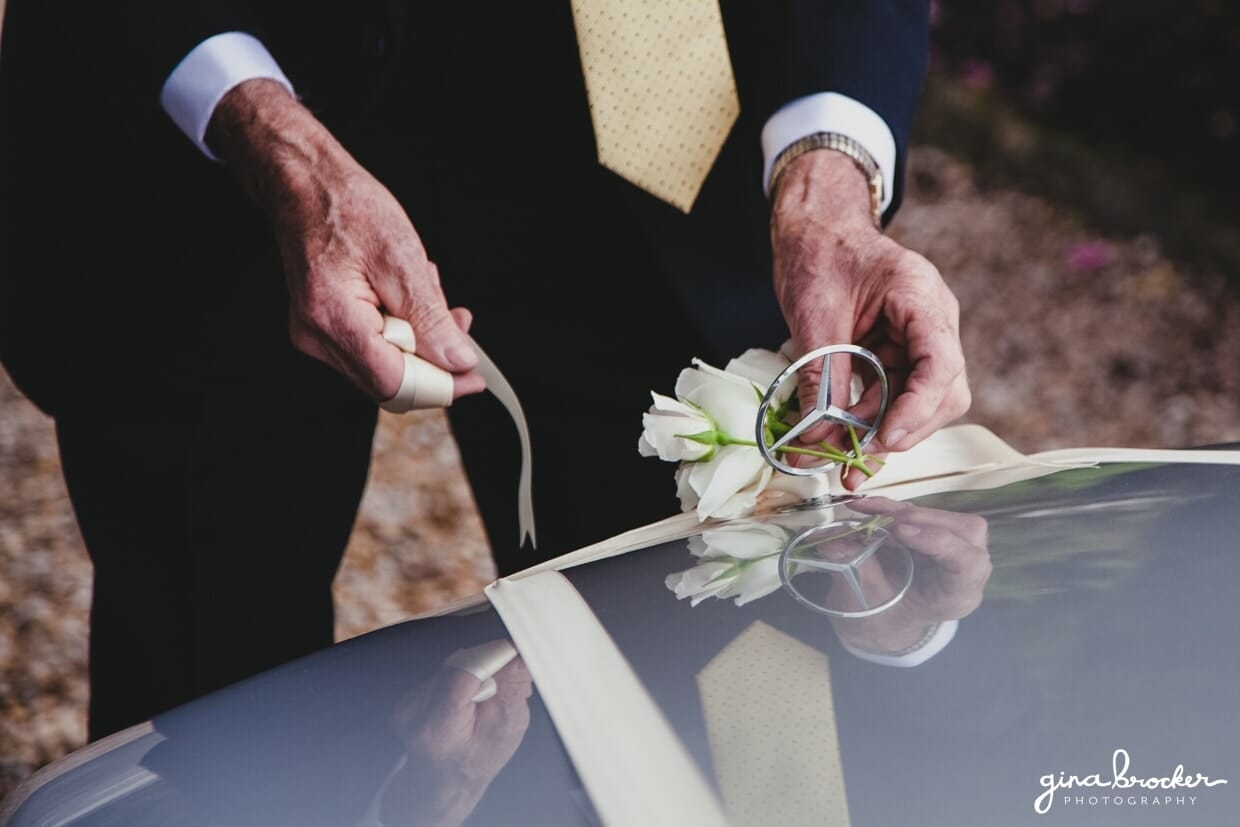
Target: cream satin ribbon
(425,386)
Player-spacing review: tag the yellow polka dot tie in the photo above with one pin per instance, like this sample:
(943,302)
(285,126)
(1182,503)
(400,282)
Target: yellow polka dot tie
(770,719)
(662,95)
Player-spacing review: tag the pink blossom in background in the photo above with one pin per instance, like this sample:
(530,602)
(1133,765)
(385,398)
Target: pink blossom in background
(977,74)
(1090,256)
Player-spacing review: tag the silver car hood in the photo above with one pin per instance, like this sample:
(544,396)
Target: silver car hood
(1089,676)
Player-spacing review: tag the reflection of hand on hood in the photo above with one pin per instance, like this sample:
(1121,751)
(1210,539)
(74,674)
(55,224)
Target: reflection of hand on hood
(951,564)
(456,745)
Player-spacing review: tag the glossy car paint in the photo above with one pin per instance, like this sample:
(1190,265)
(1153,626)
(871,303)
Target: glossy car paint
(1097,624)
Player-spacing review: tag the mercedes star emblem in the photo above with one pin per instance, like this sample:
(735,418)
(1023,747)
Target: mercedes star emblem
(823,411)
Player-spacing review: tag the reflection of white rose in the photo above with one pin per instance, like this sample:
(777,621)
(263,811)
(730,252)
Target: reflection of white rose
(743,580)
(666,424)
(741,541)
(738,561)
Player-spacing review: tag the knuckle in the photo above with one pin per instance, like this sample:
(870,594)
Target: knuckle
(428,316)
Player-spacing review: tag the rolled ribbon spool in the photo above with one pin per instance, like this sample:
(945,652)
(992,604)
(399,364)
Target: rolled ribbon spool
(424,386)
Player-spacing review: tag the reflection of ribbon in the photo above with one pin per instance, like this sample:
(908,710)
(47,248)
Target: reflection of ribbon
(424,385)
(483,661)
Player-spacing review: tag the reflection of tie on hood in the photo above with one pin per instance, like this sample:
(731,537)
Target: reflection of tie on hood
(770,720)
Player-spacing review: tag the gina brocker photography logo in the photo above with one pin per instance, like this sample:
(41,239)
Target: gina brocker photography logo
(1120,789)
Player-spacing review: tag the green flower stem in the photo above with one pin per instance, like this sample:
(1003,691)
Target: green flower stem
(832,453)
(715,438)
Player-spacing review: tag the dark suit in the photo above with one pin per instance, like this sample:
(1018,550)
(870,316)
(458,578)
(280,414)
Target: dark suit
(214,469)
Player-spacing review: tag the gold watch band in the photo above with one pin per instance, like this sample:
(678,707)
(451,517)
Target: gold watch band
(840,143)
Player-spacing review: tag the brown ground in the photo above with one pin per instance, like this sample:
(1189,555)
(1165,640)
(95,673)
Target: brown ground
(1121,347)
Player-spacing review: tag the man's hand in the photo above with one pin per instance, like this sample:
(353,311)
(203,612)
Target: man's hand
(456,746)
(839,280)
(349,250)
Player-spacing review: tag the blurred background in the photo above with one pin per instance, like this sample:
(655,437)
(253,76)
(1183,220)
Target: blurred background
(1073,176)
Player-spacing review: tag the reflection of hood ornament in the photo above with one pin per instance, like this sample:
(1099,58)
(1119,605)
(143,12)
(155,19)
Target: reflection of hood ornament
(823,411)
(839,550)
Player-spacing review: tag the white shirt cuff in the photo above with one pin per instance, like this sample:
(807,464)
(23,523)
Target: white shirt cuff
(205,75)
(937,643)
(831,112)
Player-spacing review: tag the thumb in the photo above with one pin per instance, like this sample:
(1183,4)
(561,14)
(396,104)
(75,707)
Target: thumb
(440,338)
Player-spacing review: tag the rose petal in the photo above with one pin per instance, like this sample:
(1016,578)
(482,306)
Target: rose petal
(760,367)
(758,579)
(732,470)
(684,490)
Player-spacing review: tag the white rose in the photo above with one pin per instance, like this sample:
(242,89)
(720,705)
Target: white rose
(728,399)
(666,424)
(728,485)
(761,367)
(786,489)
(723,475)
(725,487)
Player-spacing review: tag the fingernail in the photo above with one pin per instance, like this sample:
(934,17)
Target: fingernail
(461,357)
(893,437)
(908,529)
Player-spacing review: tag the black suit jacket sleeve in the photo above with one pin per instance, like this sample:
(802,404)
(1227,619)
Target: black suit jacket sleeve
(136,43)
(871,50)
(874,51)
(160,33)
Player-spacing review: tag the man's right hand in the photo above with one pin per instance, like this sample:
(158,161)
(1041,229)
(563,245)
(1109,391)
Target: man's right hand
(350,252)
